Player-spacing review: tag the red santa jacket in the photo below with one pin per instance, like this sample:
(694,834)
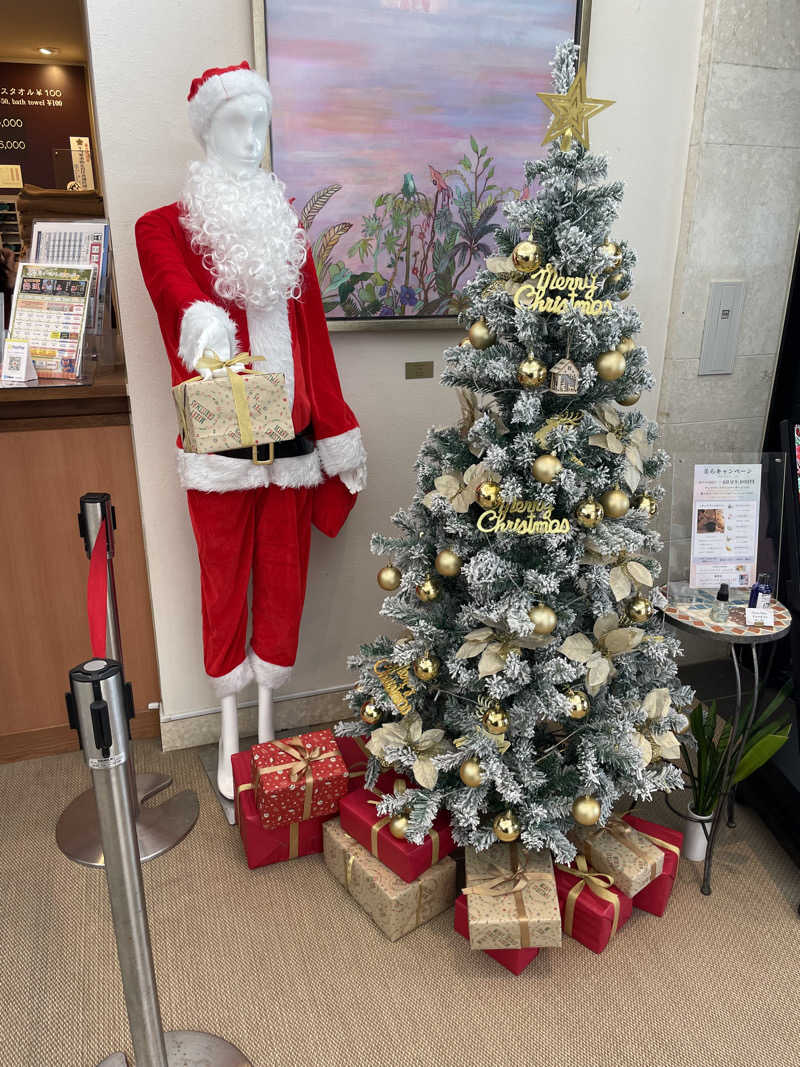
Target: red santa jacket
(181,288)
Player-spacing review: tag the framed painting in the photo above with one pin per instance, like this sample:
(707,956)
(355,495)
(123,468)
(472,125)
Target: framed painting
(399,128)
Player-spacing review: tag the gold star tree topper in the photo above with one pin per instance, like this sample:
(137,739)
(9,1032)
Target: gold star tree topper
(571,112)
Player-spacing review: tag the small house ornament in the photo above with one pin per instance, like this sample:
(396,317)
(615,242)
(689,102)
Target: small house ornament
(564,377)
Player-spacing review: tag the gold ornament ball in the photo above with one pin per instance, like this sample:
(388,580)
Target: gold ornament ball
(506,826)
(629,399)
(578,703)
(370,714)
(589,514)
(626,345)
(428,590)
(639,609)
(471,773)
(545,468)
(616,503)
(611,249)
(480,336)
(465,343)
(426,667)
(617,278)
(624,294)
(389,577)
(489,495)
(531,372)
(610,365)
(527,257)
(586,811)
(647,504)
(398,826)
(448,564)
(544,619)
(495,720)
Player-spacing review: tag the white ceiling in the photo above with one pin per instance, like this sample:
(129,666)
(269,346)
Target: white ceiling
(24,27)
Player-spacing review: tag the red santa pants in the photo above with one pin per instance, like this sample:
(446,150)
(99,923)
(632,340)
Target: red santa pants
(265,532)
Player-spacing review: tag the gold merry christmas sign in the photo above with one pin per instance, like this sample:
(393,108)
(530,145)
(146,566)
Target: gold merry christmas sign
(394,680)
(523,517)
(544,293)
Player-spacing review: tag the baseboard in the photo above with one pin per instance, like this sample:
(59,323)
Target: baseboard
(53,740)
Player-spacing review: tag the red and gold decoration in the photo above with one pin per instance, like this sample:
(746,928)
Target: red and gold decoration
(616,503)
(610,248)
(578,703)
(527,257)
(589,513)
(370,713)
(298,778)
(489,495)
(506,826)
(471,773)
(655,896)
(639,609)
(495,719)
(544,619)
(610,365)
(586,810)
(480,336)
(571,112)
(429,590)
(531,372)
(545,468)
(426,667)
(592,909)
(389,577)
(448,563)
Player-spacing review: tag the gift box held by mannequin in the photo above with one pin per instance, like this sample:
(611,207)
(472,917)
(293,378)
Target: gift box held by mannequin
(213,303)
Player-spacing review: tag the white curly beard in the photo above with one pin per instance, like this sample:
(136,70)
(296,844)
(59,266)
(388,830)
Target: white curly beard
(246,232)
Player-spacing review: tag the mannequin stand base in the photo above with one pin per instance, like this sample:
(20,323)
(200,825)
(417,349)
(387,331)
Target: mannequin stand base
(208,758)
(158,829)
(190,1048)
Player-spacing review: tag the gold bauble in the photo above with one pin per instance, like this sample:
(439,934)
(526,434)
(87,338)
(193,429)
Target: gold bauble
(610,365)
(639,609)
(426,667)
(531,372)
(544,619)
(626,345)
(489,495)
(471,773)
(527,257)
(370,713)
(480,336)
(624,294)
(589,513)
(629,400)
(545,468)
(448,564)
(616,503)
(506,826)
(465,343)
(495,720)
(611,249)
(644,502)
(398,825)
(429,590)
(578,703)
(617,278)
(389,577)
(586,811)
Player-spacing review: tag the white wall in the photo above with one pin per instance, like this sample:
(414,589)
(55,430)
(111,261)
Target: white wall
(144,55)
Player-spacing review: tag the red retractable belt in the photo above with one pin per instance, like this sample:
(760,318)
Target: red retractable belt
(97,593)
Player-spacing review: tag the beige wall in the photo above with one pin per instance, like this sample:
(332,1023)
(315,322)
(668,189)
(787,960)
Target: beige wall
(143,57)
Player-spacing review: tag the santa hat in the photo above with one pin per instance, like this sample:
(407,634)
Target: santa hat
(219,84)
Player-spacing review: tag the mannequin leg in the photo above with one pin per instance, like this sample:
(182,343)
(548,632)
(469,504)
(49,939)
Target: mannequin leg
(266,725)
(228,745)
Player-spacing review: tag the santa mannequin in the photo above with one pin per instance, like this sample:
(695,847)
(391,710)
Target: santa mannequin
(228,270)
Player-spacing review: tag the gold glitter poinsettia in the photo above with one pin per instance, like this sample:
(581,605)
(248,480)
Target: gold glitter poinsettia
(611,640)
(408,732)
(493,644)
(460,490)
(633,445)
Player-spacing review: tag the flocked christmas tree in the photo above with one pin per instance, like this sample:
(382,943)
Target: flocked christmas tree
(535,685)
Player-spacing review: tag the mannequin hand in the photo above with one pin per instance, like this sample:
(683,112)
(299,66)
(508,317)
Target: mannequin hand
(215,338)
(355,479)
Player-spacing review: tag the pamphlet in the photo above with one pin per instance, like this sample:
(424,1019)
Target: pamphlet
(83,242)
(49,313)
(725,505)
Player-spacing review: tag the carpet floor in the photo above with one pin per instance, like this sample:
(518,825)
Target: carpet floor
(282,963)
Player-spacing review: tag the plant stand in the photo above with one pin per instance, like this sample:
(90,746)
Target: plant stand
(731,633)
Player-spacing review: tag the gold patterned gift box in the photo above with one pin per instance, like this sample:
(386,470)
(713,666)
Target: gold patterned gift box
(395,906)
(621,851)
(512,899)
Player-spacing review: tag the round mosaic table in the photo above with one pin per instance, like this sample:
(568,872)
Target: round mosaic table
(695,617)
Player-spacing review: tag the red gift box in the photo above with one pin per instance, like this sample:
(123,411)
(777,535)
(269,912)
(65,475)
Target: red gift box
(356,755)
(298,778)
(262,847)
(592,911)
(655,897)
(360,820)
(513,959)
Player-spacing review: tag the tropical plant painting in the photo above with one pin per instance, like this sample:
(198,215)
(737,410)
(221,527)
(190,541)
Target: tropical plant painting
(399,128)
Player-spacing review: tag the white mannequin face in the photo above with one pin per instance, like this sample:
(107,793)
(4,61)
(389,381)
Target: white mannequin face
(237,134)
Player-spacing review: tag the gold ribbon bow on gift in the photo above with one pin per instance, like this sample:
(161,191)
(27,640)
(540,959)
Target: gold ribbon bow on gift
(501,882)
(299,764)
(597,883)
(211,361)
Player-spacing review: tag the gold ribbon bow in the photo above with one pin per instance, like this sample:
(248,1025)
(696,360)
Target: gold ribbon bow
(211,361)
(597,883)
(501,882)
(300,763)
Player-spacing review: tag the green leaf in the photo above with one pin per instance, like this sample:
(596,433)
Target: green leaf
(757,755)
(474,145)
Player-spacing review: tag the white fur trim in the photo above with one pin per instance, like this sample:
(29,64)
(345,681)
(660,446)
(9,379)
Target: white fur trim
(224,474)
(356,479)
(271,342)
(231,683)
(198,320)
(268,674)
(343,452)
(222,87)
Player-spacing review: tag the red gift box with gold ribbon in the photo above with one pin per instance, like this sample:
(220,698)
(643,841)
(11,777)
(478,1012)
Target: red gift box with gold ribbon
(592,910)
(356,755)
(298,778)
(655,897)
(361,821)
(262,847)
(513,959)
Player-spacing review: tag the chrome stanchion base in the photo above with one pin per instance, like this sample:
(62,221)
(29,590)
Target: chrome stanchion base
(191,1048)
(158,829)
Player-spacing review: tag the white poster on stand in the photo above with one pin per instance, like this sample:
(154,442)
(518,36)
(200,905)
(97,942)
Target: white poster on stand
(725,503)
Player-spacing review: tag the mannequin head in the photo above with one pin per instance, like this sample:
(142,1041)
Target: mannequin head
(236,135)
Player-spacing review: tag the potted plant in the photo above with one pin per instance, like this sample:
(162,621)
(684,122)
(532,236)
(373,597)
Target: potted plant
(705,760)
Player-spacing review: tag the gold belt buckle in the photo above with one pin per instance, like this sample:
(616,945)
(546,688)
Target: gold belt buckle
(264,462)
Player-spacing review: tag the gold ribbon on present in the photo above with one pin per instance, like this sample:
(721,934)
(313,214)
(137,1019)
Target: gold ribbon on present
(300,763)
(501,882)
(597,883)
(239,791)
(622,832)
(657,841)
(349,860)
(211,361)
(351,773)
(294,827)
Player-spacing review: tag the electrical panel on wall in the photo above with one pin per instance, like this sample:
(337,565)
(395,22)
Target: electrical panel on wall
(721,332)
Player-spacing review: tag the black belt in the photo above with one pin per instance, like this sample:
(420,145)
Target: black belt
(302,445)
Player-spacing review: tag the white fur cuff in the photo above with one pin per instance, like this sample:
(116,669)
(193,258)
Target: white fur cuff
(345,452)
(268,674)
(199,320)
(231,683)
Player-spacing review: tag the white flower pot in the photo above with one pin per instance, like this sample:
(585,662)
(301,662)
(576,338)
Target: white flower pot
(695,841)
